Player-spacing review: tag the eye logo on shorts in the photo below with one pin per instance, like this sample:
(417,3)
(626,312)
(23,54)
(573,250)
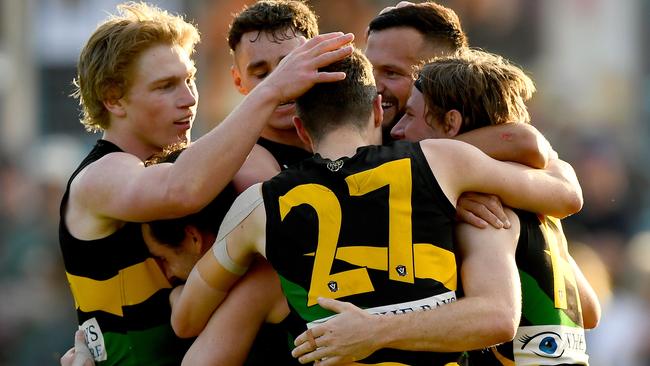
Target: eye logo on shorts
(545,344)
(554,344)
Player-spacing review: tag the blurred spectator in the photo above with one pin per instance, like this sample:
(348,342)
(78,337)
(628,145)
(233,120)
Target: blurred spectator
(36,303)
(623,336)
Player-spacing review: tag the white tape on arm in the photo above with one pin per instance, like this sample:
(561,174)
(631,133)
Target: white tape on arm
(221,253)
(239,211)
(245,203)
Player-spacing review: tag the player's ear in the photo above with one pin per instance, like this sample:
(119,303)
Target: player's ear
(114,103)
(236,79)
(453,121)
(302,132)
(378,111)
(194,239)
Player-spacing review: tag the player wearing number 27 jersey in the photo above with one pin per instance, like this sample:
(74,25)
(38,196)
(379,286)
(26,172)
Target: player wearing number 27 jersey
(374,229)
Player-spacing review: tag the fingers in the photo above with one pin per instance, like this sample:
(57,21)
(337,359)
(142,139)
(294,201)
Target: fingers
(480,210)
(83,357)
(334,305)
(329,51)
(301,350)
(304,344)
(67,358)
(320,355)
(310,339)
(80,339)
(328,42)
(468,217)
(493,204)
(297,72)
(324,43)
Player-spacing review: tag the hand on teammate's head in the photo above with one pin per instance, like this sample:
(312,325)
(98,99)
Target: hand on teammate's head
(299,70)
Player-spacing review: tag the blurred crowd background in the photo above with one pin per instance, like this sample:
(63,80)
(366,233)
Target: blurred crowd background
(589,59)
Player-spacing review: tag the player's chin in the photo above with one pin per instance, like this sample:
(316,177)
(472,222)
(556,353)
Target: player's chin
(283,122)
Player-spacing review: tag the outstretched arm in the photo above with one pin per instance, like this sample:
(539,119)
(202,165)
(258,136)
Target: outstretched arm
(515,142)
(487,315)
(240,235)
(460,167)
(118,187)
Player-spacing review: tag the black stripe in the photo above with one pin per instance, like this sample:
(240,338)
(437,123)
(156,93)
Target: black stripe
(150,313)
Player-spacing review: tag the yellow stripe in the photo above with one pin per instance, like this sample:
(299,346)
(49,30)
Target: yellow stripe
(370,257)
(430,261)
(436,263)
(132,285)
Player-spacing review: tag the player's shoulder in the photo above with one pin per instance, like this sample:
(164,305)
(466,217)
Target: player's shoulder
(443,143)
(114,164)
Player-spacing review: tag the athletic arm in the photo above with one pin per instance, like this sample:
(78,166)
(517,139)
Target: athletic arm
(460,167)
(240,235)
(120,188)
(487,315)
(588,299)
(516,142)
(563,172)
(232,328)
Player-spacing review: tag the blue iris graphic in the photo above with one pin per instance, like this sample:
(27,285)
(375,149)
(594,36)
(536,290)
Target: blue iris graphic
(544,344)
(548,345)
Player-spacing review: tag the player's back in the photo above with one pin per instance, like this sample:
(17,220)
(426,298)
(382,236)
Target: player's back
(374,229)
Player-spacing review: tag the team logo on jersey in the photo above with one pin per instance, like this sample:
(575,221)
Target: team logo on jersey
(401,270)
(335,166)
(333,286)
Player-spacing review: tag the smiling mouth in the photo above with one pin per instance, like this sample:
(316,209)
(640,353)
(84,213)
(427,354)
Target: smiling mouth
(386,105)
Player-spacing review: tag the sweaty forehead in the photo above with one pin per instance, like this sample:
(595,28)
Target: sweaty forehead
(260,48)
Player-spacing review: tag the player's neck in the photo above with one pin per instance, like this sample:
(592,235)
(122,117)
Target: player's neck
(131,144)
(340,143)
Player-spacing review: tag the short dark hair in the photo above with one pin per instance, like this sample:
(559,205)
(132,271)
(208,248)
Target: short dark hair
(329,105)
(281,19)
(171,232)
(438,24)
(485,88)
